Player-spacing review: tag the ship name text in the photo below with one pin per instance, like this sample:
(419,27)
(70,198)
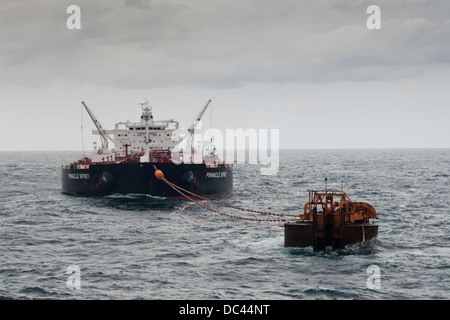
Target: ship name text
(78,176)
(222,174)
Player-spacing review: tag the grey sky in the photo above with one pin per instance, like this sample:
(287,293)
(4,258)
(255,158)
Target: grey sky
(309,68)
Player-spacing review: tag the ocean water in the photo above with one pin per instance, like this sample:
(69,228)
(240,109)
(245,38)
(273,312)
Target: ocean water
(58,246)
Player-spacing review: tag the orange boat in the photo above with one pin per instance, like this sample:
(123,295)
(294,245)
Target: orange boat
(331,219)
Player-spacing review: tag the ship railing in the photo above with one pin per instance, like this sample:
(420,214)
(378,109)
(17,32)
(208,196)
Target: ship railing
(75,166)
(166,123)
(161,156)
(217,164)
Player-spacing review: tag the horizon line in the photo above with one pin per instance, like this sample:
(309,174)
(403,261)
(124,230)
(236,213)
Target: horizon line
(324,148)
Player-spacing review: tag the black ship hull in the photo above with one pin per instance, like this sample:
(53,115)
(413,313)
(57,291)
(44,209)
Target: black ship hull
(139,178)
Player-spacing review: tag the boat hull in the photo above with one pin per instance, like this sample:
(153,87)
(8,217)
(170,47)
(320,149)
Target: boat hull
(139,178)
(301,234)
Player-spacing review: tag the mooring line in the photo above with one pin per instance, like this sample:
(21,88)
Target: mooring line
(231,206)
(160,176)
(176,212)
(187,218)
(219,212)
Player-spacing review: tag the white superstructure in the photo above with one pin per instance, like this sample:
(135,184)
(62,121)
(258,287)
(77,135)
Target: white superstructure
(141,140)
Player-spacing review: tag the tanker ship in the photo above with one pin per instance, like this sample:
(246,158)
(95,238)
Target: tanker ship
(140,149)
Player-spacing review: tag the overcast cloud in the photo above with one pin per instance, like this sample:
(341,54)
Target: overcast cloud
(219,43)
(240,48)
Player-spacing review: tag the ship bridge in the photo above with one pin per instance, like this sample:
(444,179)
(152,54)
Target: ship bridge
(142,139)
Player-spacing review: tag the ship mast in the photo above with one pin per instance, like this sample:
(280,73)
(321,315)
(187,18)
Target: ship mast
(146,116)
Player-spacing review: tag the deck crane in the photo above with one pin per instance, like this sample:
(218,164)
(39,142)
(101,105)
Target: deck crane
(192,128)
(199,117)
(100,129)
